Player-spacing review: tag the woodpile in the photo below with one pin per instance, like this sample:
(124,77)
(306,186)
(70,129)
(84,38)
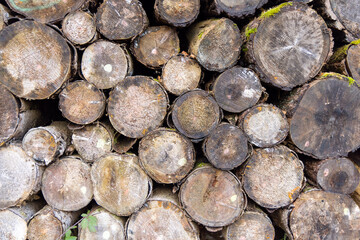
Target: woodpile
(179,119)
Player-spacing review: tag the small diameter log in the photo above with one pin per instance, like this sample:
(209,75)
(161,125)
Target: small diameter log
(166,155)
(181,74)
(93,141)
(265,125)
(235,8)
(226,147)
(337,175)
(288,45)
(12,226)
(50,224)
(212,197)
(155,46)
(108,226)
(120,185)
(20,177)
(195,114)
(237,89)
(45,144)
(215,43)
(36,59)
(273,177)
(178,13)
(81,102)
(121,19)
(67,185)
(161,218)
(79,27)
(105,64)
(137,105)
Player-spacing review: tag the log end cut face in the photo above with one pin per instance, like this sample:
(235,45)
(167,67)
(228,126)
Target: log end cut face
(79,27)
(9,115)
(239,8)
(45,226)
(347,12)
(35,60)
(353,62)
(12,226)
(178,13)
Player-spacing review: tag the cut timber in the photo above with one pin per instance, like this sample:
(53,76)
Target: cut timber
(180,74)
(337,175)
(353,62)
(35,59)
(195,114)
(12,226)
(93,141)
(121,19)
(156,46)
(66,184)
(212,197)
(81,102)
(20,177)
(79,27)
(105,64)
(120,185)
(288,48)
(237,89)
(273,177)
(236,8)
(356,193)
(226,147)
(137,105)
(28,208)
(325,122)
(215,43)
(45,10)
(45,144)
(123,144)
(166,155)
(50,224)
(178,13)
(108,226)
(265,125)
(161,218)
(4,16)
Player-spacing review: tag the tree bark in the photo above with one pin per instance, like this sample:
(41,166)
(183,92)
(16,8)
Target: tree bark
(356,193)
(4,16)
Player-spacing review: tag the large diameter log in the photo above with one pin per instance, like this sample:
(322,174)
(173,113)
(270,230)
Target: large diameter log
(79,27)
(44,144)
(12,226)
(226,147)
(235,8)
(265,173)
(121,19)
(20,177)
(105,64)
(166,155)
(290,46)
(178,13)
(161,218)
(137,105)
(155,46)
(215,43)
(35,60)
(212,197)
(120,185)
(67,185)
(337,175)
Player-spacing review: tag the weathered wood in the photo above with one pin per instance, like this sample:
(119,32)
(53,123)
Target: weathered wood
(12,226)
(273,177)
(265,125)
(67,185)
(20,177)
(356,193)
(215,43)
(44,144)
(166,155)
(195,114)
(137,105)
(337,175)
(155,46)
(226,147)
(180,74)
(79,27)
(234,8)
(4,16)
(121,19)
(105,64)
(36,59)
(123,144)
(161,218)
(288,45)
(81,102)
(212,197)
(237,89)
(178,13)
(28,208)
(120,185)
(353,62)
